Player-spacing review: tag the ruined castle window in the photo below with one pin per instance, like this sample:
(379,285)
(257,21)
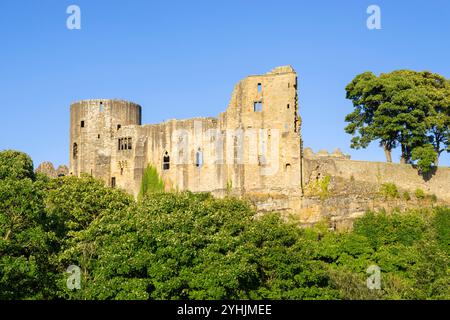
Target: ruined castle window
(166,161)
(75,151)
(257,106)
(287,166)
(101,107)
(82,124)
(119,144)
(199,158)
(121,171)
(98,136)
(261,160)
(129,143)
(259,87)
(119,126)
(288,106)
(113,182)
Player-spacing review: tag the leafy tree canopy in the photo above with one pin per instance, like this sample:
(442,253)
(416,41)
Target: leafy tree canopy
(403,108)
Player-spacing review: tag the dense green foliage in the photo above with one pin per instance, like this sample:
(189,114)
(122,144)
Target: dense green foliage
(389,190)
(24,242)
(425,156)
(151,182)
(193,246)
(403,108)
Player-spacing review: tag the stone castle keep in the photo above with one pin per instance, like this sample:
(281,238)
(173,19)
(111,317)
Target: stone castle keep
(253,149)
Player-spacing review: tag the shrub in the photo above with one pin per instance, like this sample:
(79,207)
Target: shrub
(389,190)
(420,194)
(324,184)
(406,196)
(151,182)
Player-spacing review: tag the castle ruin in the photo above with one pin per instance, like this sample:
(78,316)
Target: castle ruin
(254,146)
(253,149)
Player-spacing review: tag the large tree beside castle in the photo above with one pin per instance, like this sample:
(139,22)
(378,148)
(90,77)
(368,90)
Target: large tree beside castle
(405,109)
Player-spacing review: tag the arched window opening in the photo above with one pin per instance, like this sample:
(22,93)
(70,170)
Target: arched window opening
(75,150)
(199,158)
(166,161)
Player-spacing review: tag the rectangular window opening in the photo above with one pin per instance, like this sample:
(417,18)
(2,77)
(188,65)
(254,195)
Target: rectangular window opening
(82,124)
(113,182)
(257,107)
(259,87)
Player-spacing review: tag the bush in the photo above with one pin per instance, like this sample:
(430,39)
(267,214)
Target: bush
(406,196)
(420,194)
(389,190)
(324,185)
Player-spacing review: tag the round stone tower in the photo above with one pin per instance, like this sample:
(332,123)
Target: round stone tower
(93,124)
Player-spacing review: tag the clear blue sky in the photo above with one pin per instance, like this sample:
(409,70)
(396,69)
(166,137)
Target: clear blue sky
(181,59)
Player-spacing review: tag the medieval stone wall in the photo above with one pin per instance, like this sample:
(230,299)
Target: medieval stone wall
(253,147)
(404,176)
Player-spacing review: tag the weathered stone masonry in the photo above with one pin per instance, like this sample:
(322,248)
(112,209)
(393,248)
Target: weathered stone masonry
(108,141)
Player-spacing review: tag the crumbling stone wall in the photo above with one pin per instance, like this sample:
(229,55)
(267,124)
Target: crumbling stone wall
(404,176)
(253,147)
(49,170)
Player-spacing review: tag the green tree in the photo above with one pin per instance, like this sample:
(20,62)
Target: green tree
(192,246)
(25,271)
(402,108)
(72,203)
(406,246)
(426,156)
(15,165)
